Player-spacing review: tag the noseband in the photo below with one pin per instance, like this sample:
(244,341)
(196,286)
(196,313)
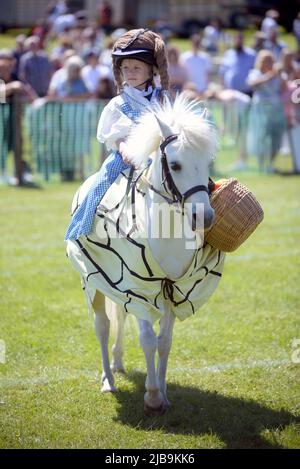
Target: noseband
(168,181)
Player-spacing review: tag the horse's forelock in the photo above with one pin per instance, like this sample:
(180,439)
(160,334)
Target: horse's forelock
(143,140)
(183,117)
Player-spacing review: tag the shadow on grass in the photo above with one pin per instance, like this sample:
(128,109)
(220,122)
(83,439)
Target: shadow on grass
(236,422)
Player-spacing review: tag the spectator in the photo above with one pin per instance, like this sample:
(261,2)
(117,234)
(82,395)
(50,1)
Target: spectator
(266,119)
(235,105)
(60,74)
(296,98)
(40,30)
(236,64)
(65,44)
(105,57)
(74,118)
(297,58)
(289,65)
(18,51)
(54,10)
(259,41)
(35,67)
(178,73)
(189,88)
(105,13)
(81,19)
(64,23)
(106,89)
(289,73)
(270,22)
(93,72)
(11,88)
(197,63)
(99,36)
(71,84)
(296,29)
(274,45)
(163,27)
(90,41)
(212,37)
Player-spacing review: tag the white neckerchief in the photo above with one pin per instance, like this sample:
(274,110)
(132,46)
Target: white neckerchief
(137,97)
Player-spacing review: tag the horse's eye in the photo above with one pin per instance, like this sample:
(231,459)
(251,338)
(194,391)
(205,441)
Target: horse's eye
(175,166)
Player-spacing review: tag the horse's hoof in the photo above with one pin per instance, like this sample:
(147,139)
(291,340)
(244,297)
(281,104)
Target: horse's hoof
(155,412)
(107,387)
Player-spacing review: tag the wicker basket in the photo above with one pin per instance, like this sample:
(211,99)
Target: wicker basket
(238,213)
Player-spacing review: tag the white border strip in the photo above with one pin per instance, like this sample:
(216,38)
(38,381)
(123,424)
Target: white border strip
(64,375)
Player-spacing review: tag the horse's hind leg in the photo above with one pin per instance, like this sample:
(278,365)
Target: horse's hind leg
(102,332)
(117,318)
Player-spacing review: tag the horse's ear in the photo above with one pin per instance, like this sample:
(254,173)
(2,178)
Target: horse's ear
(165,129)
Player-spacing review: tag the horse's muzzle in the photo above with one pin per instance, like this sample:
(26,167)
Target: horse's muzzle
(208,220)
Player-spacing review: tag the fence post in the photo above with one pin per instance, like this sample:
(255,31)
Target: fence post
(17,122)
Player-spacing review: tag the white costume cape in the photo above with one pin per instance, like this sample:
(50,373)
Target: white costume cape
(124,269)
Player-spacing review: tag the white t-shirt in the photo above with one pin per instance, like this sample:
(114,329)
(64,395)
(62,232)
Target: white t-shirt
(92,75)
(57,78)
(211,37)
(198,66)
(64,21)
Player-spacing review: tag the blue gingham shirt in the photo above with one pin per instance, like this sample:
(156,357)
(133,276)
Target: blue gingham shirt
(83,217)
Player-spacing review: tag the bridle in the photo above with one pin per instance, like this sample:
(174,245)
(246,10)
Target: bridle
(168,181)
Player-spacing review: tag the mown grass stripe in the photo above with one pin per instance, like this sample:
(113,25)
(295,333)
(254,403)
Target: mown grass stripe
(89,374)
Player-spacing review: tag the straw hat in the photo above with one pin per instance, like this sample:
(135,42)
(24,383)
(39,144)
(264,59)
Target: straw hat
(238,213)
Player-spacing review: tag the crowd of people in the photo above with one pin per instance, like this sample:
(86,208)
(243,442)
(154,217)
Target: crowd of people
(259,79)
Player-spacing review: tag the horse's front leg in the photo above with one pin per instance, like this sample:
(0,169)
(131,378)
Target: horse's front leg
(102,327)
(154,403)
(164,347)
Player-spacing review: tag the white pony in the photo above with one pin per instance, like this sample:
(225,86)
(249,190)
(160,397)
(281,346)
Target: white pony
(172,281)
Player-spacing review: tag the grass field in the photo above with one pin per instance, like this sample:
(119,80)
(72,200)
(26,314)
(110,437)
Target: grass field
(7,40)
(233,374)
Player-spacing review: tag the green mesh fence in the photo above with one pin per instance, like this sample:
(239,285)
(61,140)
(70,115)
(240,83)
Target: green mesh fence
(59,138)
(63,138)
(5,135)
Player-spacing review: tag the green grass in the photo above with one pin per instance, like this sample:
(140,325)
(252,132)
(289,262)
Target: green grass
(50,384)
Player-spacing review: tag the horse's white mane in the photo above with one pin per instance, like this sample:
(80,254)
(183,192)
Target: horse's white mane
(184,117)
